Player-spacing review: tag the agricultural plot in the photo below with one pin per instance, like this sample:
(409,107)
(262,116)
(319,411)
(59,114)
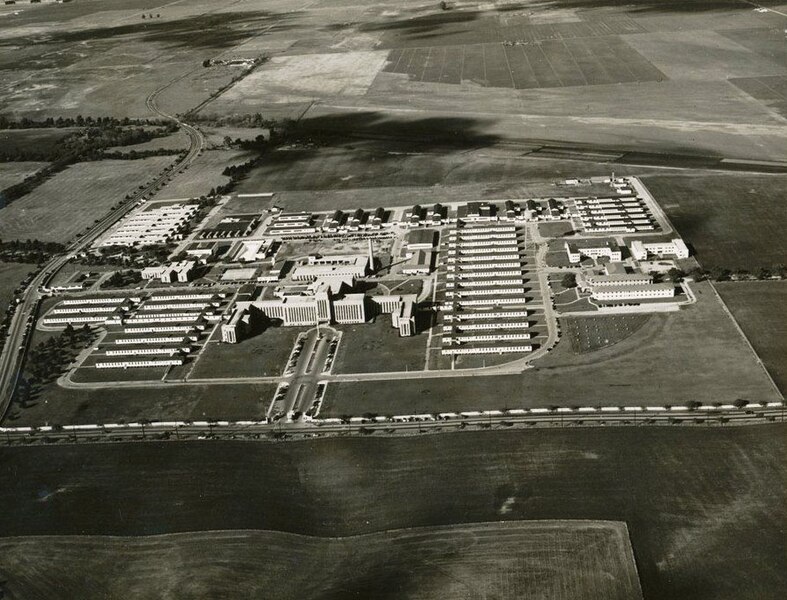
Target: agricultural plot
(702,55)
(204,173)
(694,354)
(16,172)
(760,308)
(691,498)
(732,221)
(512,559)
(25,141)
(541,64)
(770,91)
(71,200)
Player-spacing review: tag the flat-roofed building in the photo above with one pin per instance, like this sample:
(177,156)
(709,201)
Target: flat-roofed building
(634,292)
(182,272)
(421,239)
(156,224)
(352,265)
(593,249)
(350,309)
(675,247)
(419,263)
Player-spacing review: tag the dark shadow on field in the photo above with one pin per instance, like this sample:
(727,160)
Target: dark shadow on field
(206,31)
(426,133)
(449,21)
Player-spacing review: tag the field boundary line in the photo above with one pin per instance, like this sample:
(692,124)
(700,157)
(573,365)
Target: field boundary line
(743,335)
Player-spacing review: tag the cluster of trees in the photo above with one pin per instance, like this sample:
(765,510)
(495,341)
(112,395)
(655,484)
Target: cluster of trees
(721,274)
(122,279)
(29,251)
(86,144)
(78,121)
(255,121)
(125,256)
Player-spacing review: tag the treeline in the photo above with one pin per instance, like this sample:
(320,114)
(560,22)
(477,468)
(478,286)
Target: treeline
(78,121)
(722,274)
(248,121)
(29,251)
(85,145)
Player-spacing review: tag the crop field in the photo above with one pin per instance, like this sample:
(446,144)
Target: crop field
(11,275)
(262,355)
(691,499)
(732,221)
(508,560)
(64,205)
(694,354)
(205,173)
(531,64)
(760,308)
(771,91)
(16,172)
(56,404)
(31,140)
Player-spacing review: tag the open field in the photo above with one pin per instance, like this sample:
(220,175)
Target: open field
(377,346)
(16,172)
(694,354)
(11,275)
(122,403)
(205,173)
(549,559)
(692,499)
(760,308)
(264,354)
(32,140)
(64,205)
(732,221)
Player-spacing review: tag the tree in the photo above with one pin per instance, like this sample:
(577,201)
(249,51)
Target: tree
(569,280)
(740,403)
(675,275)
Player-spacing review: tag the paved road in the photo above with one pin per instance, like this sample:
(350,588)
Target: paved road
(16,345)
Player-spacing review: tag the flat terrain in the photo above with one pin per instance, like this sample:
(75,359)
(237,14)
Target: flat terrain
(11,275)
(71,200)
(204,174)
(549,559)
(733,221)
(264,354)
(760,308)
(694,354)
(693,500)
(123,403)
(377,346)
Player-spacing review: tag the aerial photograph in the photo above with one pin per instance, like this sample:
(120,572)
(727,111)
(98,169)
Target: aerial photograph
(393,299)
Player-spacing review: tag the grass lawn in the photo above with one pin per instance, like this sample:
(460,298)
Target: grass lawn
(732,220)
(760,307)
(264,354)
(694,354)
(548,558)
(11,275)
(693,499)
(555,230)
(64,205)
(73,406)
(370,347)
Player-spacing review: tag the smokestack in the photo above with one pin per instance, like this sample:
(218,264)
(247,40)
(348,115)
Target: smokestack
(371,255)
